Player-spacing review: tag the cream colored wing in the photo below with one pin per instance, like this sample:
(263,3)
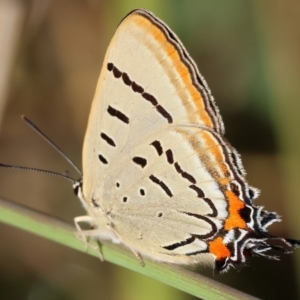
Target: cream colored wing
(157,172)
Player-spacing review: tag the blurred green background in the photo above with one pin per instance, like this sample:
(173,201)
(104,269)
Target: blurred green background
(50,58)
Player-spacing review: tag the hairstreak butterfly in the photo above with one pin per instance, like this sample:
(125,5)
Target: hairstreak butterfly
(158,175)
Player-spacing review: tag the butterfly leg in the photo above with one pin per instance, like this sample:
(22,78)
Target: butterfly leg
(84,235)
(80,234)
(137,255)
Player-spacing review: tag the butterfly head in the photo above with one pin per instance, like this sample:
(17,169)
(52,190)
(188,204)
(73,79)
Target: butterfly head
(77,187)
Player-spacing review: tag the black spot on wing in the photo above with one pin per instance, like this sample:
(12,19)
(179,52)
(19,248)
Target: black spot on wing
(235,189)
(200,194)
(108,139)
(161,184)
(137,88)
(170,157)
(110,67)
(180,244)
(158,147)
(164,113)
(126,79)
(199,191)
(184,174)
(210,234)
(212,207)
(150,98)
(102,159)
(117,73)
(140,161)
(246,213)
(118,114)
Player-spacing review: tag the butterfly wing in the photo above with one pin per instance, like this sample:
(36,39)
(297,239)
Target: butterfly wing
(157,172)
(145,151)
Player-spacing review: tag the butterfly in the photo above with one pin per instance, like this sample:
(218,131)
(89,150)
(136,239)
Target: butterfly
(158,175)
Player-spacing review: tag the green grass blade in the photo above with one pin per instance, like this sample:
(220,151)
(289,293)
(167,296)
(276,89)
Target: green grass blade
(60,232)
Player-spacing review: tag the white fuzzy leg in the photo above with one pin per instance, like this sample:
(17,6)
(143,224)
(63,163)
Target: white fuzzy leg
(83,235)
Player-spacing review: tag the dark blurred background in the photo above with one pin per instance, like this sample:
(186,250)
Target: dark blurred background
(51,54)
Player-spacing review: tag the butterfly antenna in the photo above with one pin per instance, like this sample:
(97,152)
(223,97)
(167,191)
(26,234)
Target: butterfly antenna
(39,171)
(37,130)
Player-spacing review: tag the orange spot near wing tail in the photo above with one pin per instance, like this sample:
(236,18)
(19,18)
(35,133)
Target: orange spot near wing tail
(234,219)
(218,248)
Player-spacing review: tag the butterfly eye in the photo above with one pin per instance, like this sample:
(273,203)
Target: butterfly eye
(76,189)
